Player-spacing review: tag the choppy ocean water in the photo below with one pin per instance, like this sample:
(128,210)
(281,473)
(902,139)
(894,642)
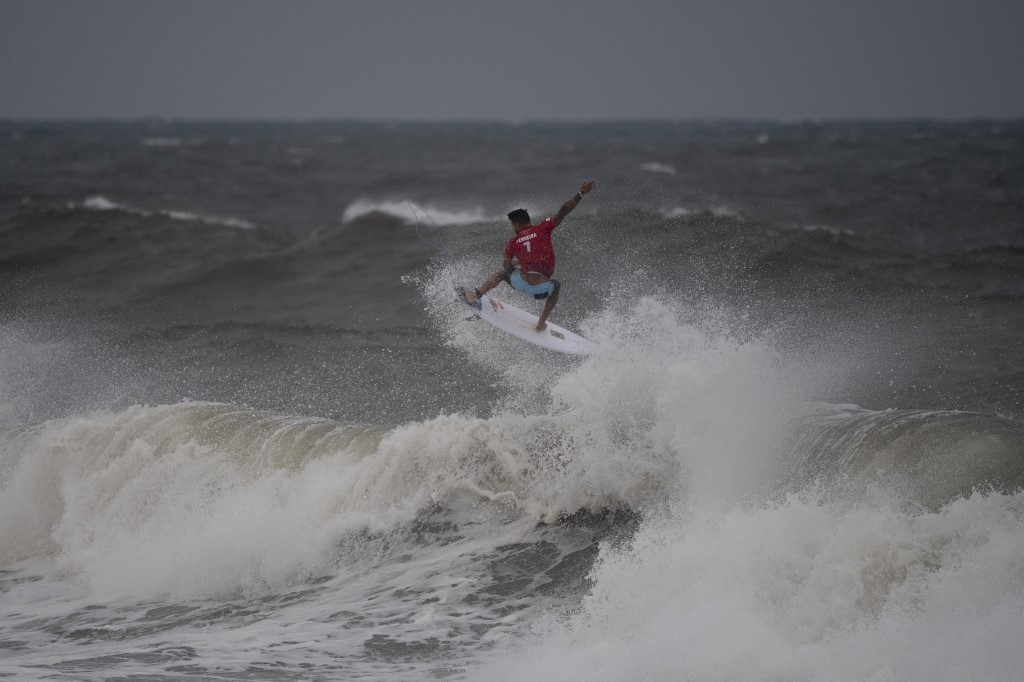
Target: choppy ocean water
(245,435)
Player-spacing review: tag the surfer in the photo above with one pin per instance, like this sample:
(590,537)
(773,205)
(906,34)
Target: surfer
(531,247)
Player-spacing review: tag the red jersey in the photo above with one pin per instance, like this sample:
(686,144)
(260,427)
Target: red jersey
(532,247)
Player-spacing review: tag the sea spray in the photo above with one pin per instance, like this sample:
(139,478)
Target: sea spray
(213,485)
(805,589)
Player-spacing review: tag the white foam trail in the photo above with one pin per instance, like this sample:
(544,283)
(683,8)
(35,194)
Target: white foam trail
(677,212)
(208,220)
(162,142)
(834,231)
(656,167)
(401,210)
(684,211)
(100,203)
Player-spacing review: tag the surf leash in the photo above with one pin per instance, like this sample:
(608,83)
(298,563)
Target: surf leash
(439,243)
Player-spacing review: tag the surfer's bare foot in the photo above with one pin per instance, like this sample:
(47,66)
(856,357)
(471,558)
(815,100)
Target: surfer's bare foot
(542,325)
(470,295)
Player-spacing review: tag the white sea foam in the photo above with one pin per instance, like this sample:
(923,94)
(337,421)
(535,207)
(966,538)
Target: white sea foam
(684,211)
(656,167)
(162,142)
(402,211)
(199,498)
(834,231)
(677,212)
(723,581)
(208,220)
(100,203)
(724,584)
(806,589)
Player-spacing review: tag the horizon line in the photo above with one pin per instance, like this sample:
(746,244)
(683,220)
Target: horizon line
(168,120)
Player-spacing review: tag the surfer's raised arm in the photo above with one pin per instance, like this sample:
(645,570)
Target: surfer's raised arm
(568,206)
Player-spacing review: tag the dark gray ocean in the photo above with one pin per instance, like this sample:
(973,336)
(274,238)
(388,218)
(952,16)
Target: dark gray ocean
(247,434)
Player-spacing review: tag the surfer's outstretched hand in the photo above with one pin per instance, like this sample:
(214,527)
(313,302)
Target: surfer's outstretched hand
(587,186)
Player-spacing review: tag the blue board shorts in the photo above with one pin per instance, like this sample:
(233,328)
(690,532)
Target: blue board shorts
(538,291)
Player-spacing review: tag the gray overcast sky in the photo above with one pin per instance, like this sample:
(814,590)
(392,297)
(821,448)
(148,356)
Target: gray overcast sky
(515,60)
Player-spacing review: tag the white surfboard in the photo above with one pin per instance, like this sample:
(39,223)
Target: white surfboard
(523,325)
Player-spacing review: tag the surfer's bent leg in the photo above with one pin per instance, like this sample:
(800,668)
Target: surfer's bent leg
(549,306)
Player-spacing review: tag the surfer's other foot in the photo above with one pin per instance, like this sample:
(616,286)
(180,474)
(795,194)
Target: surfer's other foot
(470,295)
(541,326)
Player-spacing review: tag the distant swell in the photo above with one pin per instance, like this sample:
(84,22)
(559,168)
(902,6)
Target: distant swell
(427,214)
(929,456)
(99,203)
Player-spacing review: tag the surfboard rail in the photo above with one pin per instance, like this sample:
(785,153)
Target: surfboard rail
(523,325)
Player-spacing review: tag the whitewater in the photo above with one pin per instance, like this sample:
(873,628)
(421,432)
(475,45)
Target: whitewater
(744,556)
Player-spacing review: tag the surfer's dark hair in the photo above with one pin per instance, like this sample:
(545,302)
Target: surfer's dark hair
(519,216)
